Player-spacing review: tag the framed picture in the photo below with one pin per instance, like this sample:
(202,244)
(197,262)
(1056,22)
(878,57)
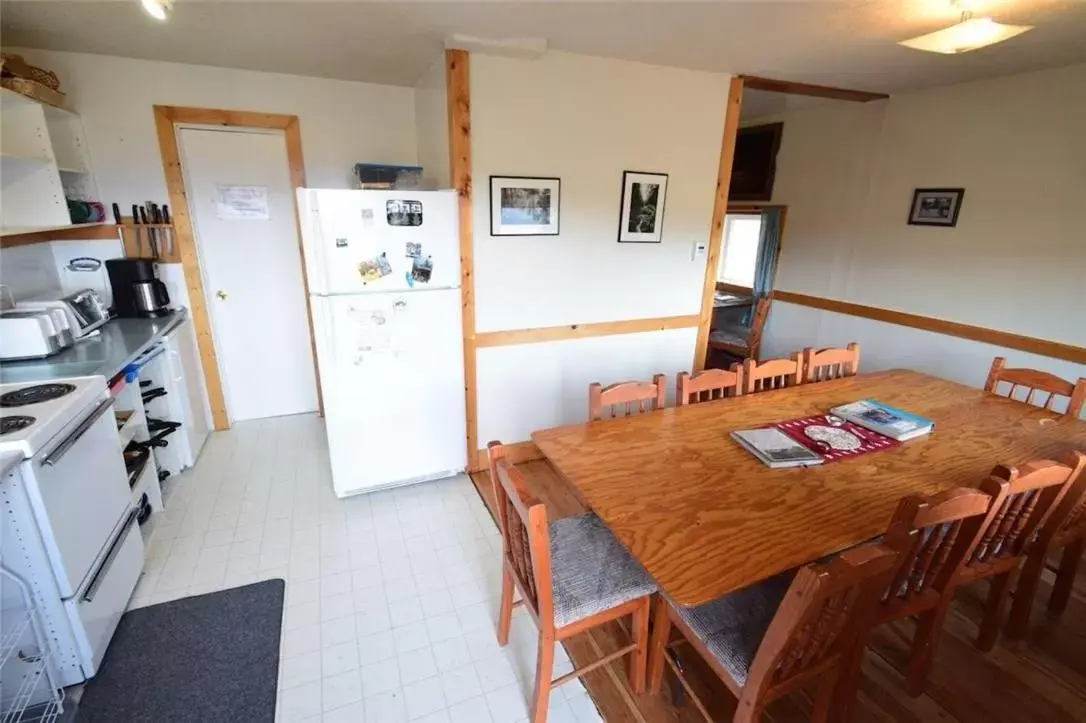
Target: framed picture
(936,206)
(524,206)
(642,217)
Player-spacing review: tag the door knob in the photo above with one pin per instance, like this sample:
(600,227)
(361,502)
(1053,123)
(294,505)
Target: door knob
(220,295)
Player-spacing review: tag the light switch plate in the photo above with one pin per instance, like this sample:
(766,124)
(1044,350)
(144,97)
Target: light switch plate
(699,250)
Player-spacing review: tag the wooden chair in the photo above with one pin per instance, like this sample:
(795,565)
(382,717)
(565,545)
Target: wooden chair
(772,374)
(773,637)
(709,385)
(736,343)
(625,398)
(932,536)
(1066,529)
(1031,495)
(1037,381)
(833,363)
(572,575)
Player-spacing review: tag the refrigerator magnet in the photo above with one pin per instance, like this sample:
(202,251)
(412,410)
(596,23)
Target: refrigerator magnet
(411,250)
(341,243)
(374,269)
(403,213)
(422,268)
(367,217)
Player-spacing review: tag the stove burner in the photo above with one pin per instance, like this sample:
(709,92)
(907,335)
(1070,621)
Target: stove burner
(35,394)
(14,423)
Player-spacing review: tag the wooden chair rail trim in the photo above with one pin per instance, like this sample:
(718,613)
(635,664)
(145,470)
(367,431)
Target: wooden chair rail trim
(583,331)
(817,91)
(1020,342)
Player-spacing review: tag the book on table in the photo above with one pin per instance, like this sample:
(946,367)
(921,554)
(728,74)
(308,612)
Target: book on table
(775,448)
(884,419)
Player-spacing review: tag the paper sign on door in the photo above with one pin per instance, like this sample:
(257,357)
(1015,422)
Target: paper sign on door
(249,202)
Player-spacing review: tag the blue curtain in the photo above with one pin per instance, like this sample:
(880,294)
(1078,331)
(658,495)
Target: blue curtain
(769,245)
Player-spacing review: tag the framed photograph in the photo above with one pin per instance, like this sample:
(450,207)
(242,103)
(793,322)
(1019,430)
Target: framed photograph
(642,217)
(936,206)
(524,206)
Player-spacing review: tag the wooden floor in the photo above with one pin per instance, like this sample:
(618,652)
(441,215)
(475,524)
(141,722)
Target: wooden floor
(1041,679)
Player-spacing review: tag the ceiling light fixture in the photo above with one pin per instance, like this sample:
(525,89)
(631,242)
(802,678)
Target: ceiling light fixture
(156,8)
(967,34)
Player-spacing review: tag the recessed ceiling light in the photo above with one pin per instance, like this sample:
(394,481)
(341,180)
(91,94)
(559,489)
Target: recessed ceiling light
(968,34)
(156,8)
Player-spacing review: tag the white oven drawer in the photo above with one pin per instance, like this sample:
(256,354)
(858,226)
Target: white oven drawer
(79,491)
(98,607)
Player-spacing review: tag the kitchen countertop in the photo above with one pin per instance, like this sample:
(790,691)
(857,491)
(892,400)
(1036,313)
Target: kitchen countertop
(117,343)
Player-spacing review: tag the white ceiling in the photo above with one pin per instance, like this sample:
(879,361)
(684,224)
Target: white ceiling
(845,43)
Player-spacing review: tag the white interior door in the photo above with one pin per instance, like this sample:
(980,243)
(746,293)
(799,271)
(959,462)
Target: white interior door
(242,207)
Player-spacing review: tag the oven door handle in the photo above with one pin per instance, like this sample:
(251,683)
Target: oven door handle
(103,569)
(61,449)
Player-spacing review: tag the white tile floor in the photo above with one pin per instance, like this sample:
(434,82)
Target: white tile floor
(391,597)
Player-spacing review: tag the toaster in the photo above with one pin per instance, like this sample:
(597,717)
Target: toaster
(30,334)
(85,311)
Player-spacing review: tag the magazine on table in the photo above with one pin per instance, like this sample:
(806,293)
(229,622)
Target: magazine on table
(884,419)
(775,448)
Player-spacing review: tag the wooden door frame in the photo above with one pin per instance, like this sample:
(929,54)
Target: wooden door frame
(167,117)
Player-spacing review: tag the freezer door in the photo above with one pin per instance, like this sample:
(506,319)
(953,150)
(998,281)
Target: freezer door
(392,373)
(379,241)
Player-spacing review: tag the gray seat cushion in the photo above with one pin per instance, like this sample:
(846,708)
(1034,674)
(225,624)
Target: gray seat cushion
(732,337)
(732,627)
(591,570)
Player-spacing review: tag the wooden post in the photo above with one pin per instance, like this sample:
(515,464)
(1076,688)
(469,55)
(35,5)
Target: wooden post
(458,93)
(720,208)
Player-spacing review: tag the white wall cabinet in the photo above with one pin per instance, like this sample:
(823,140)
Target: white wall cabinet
(43,162)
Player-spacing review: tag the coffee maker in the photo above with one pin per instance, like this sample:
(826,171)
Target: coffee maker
(137,291)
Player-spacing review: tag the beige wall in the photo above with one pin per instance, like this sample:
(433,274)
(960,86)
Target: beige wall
(586,120)
(432,126)
(342,122)
(1016,260)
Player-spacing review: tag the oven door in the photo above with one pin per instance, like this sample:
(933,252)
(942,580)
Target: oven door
(79,491)
(96,610)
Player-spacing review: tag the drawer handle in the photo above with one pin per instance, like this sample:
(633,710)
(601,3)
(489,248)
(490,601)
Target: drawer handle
(62,449)
(103,569)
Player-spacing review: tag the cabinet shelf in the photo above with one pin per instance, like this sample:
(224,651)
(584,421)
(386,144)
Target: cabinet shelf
(19,231)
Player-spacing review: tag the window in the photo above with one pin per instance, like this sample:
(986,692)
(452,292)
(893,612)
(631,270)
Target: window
(740,256)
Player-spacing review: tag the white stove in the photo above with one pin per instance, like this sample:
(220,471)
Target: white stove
(74,490)
(32,414)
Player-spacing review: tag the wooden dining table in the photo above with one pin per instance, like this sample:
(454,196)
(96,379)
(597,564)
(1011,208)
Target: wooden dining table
(705,518)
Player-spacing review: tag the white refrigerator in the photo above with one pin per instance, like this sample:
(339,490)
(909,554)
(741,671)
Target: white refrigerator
(384,286)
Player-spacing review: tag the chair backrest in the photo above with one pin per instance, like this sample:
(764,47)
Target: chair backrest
(934,536)
(771,374)
(1034,381)
(1068,519)
(827,610)
(1032,493)
(833,363)
(625,398)
(757,325)
(525,536)
(709,385)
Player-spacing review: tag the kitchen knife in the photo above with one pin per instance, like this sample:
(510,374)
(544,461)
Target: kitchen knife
(117,215)
(150,233)
(169,230)
(136,228)
(160,234)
